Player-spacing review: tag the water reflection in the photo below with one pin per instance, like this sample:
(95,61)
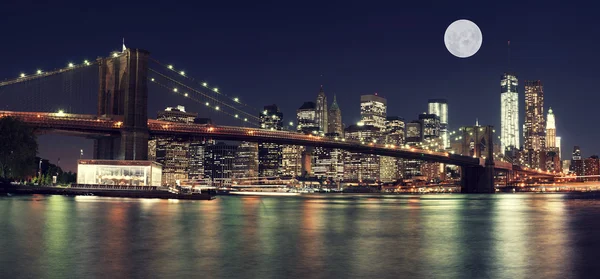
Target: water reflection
(333,236)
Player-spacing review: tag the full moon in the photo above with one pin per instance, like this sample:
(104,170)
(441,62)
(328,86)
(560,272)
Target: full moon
(463,38)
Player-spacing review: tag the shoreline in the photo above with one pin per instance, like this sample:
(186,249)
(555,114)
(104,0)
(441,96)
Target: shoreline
(136,194)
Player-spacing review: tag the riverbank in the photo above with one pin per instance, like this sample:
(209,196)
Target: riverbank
(8,189)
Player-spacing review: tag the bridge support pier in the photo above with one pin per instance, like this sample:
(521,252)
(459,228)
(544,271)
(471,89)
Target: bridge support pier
(123,95)
(477,179)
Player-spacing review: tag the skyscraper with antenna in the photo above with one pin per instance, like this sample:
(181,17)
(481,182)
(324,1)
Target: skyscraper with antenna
(509,109)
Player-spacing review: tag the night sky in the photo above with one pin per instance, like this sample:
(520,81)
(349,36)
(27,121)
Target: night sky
(281,52)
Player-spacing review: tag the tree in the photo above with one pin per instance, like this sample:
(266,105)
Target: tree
(18,147)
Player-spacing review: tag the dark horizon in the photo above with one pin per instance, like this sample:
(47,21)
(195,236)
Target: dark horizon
(281,53)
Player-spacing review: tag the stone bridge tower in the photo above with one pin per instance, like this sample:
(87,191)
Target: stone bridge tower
(123,96)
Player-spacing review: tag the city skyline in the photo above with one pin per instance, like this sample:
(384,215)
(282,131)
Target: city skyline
(372,62)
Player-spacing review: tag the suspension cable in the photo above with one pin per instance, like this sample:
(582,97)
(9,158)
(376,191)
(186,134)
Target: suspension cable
(205,85)
(203,94)
(40,74)
(236,116)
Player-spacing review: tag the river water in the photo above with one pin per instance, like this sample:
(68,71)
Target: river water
(312,236)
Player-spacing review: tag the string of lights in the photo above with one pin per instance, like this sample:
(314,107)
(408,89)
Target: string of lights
(240,112)
(23,76)
(204,84)
(215,105)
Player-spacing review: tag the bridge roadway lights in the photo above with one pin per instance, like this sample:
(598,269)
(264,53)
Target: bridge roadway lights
(477,179)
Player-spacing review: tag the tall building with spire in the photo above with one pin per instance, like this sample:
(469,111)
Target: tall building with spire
(553,159)
(321,116)
(335,119)
(509,112)
(535,124)
(550,129)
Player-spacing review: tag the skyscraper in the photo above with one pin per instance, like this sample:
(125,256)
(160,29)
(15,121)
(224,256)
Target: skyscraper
(550,129)
(219,160)
(509,112)
(439,107)
(270,154)
(291,160)
(430,126)
(373,111)
(306,116)
(335,119)
(576,162)
(321,115)
(391,167)
(558,145)
(173,151)
(361,167)
(535,124)
(552,149)
(245,164)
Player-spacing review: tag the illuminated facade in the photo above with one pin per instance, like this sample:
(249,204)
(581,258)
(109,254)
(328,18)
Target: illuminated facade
(321,111)
(413,132)
(291,162)
(591,166)
(439,107)
(550,129)
(329,163)
(197,148)
(270,154)
(119,172)
(245,164)
(361,167)
(430,126)
(509,112)
(373,111)
(173,151)
(558,146)
(306,116)
(218,160)
(535,125)
(335,119)
(553,162)
(576,166)
(391,167)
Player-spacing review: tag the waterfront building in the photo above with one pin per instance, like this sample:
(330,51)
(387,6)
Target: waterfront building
(439,107)
(566,166)
(306,118)
(509,112)
(218,159)
(591,167)
(119,172)
(321,111)
(373,109)
(245,164)
(197,148)
(173,151)
(362,167)
(576,167)
(535,125)
(270,154)
(414,138)
(291,162)
(328,162)
(335,119)
(391,167)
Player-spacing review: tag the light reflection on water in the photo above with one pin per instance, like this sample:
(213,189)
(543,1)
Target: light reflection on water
(313,236)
